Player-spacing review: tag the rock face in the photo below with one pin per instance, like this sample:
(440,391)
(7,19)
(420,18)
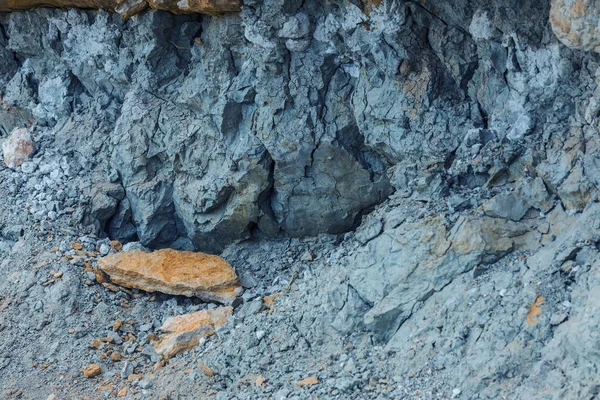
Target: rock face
(174,272)
(459,137)
(17,148)
(128,8)
(183,332)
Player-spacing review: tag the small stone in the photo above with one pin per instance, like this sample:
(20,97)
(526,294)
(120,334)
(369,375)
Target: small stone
(271,300)
(17,148)
(307,256)
(144,384)
(455,392)
(116,356)
(311,380)
(117,325)
(91,371)
(104,249)
(206,370)
(116,245)
(58,275)
(122,392)
(260,334)
(260,380)
(134,377)
(96,344)
(127,370)
(558,318)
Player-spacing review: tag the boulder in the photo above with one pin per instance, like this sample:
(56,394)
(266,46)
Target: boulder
(17,148)
(183,273)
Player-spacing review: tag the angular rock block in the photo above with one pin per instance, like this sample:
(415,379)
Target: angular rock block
(183,332)
(17,148)
(174,272)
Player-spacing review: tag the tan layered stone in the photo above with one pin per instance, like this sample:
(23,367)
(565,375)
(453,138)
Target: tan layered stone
(183,332)
(128,8)
(174,272)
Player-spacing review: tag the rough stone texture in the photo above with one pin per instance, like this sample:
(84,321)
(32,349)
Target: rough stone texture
(507,206)
(17,148)
(575,23)
(394,140)
(183,332)
(174,272)
(128,8)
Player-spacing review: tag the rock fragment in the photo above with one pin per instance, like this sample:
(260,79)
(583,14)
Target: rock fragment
(17,148)
(184,332)
(311,380)
(91,371)
(174,272)
(507,206)
(206,369)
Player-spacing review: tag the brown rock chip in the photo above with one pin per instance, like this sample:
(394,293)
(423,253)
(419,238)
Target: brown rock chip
(311,380)
(534,311)
(260,380)
(116,245)
(174,272)
(117,325)
(184,332)
(135,377)
(91,371)
(207,371)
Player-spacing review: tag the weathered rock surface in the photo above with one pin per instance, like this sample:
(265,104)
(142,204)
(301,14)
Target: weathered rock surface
(507,206)
(17,148)
(425,125)
(174,272)
(128,8)
(575,23)
(183,332)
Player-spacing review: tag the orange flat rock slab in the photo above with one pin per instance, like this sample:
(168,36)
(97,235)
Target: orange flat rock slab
(183,273)
(183,332)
